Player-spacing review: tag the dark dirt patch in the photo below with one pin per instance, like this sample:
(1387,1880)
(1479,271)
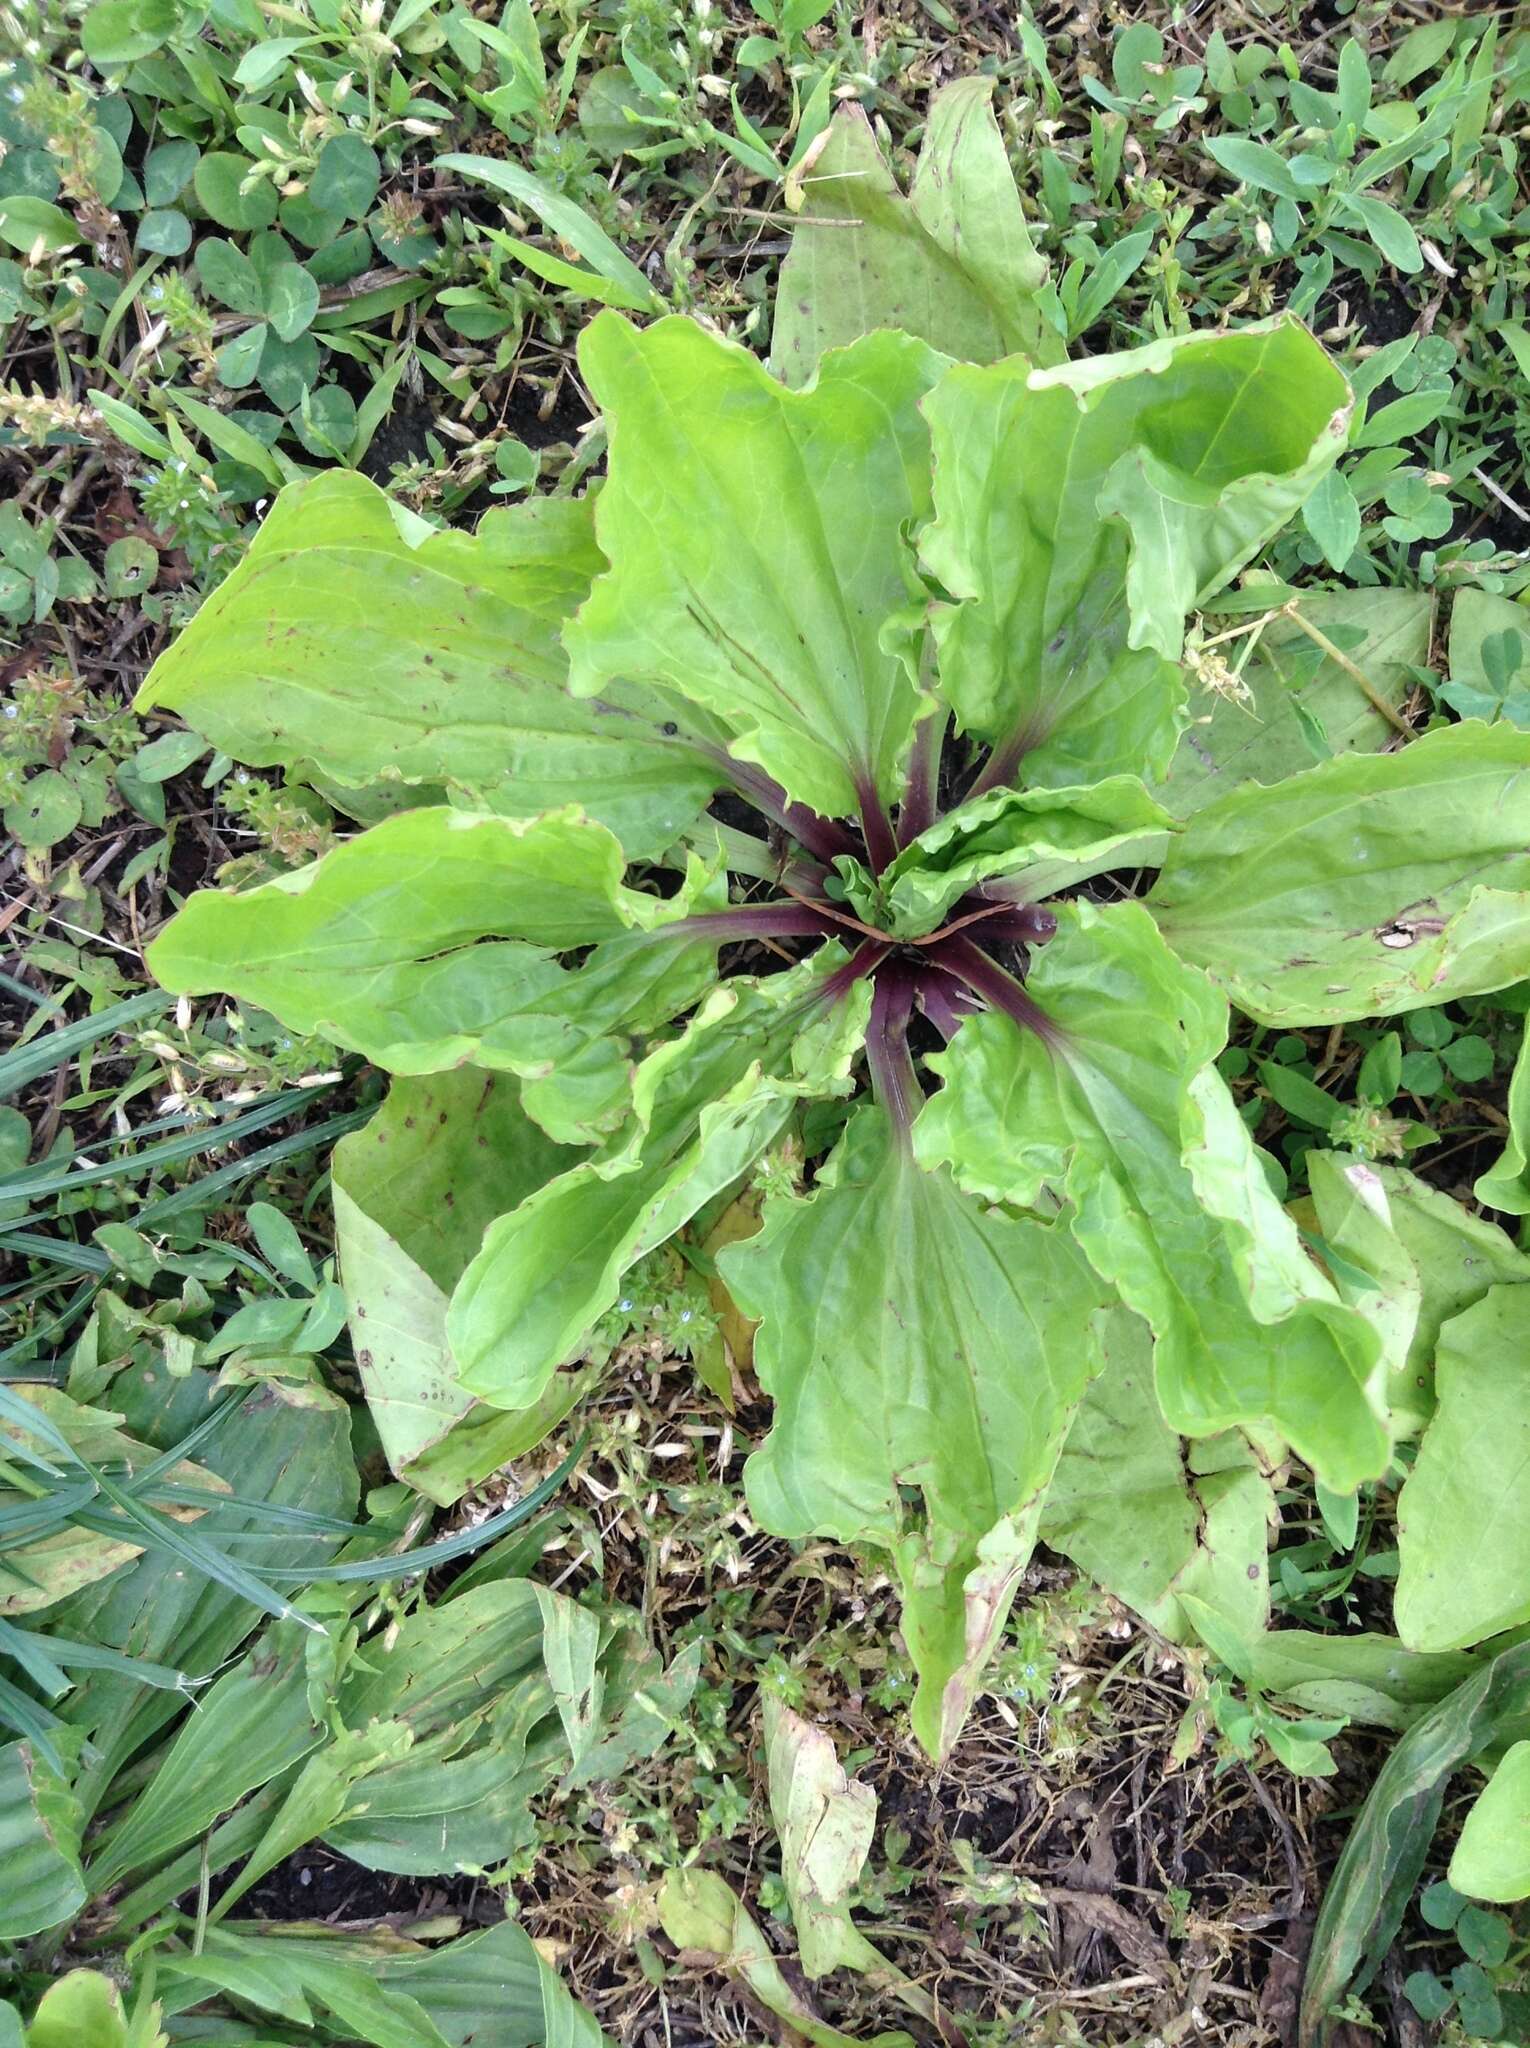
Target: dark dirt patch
(317,1884)
(400,440)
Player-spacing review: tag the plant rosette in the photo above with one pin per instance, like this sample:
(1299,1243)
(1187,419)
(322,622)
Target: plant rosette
(924,620)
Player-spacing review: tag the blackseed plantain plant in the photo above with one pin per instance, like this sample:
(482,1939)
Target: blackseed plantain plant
(820,815)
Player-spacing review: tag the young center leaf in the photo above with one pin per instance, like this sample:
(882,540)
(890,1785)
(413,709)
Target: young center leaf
(705,1106)
(756,542)
(1080,512)
(356,640)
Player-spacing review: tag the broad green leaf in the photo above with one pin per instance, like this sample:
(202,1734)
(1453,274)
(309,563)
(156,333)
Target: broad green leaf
(452,1806)
(1489,657)
(699,1910)
(571,1636)
(1463,1516)
(373,947)
(1506,1183)
(1301,698)
(1372,1269)
(1151,1517)
(756,542)
(258,1977)
(1127,1117)
(1369,885)
(1427,1257)
(494,1986)
(414,1192)
(1256,164)
(40,1826)
(705,1106)
(1039,841)
(287,1975)
(1492,1858)
(355,639)
(912,1337)
(1388,1846)
(1458,1257)
(1082,511)
(1367,1678)
(953,263)
(28,223)
(39,1573)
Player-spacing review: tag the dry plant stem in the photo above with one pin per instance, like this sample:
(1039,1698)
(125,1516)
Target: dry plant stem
(1389,712)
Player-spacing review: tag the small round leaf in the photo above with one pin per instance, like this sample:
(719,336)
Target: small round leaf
(163,232)
(217,184)
(292,299)
(346,178)
(166,170)
(47,810)
(288,369)
(239,360)
(131,566)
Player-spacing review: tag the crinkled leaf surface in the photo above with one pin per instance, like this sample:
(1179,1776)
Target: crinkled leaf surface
(1080,513)
(1463,1516)
(705,1106)
(355,638)
(1372,1269)
(1301,699)
(1037,840)
(953,263)
(1492,1858)
(414,1192)
(1368,885)
(755,536)
(1151,1517)
(374,946)
(1426,1255)
(1129,1120)
(911,1337)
